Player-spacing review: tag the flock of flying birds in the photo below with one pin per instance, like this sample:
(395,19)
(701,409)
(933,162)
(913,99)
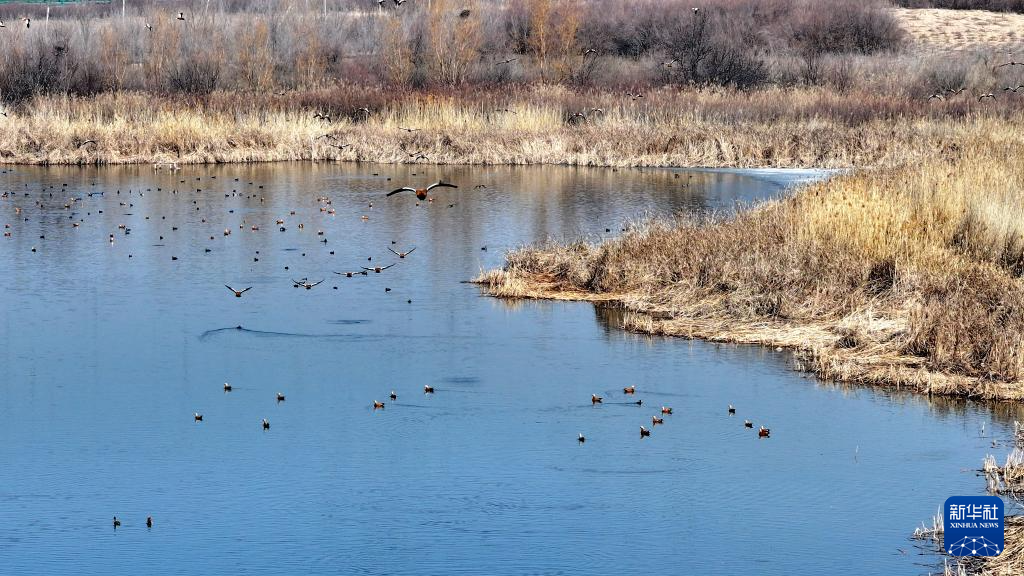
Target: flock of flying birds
(953,92)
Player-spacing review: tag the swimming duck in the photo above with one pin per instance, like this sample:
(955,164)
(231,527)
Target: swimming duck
(763,432)
(666,410)
(116,522)
(198,417)
(595,399)
(227,387)
(644,432)
(266,424)
(428,389)
(393,395)
(280,397)
(629,390)
(655,421)
(149,521)
(377,405)
(731,409)
(748,424)
(581,439)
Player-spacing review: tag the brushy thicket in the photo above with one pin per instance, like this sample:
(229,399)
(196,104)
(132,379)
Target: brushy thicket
(266,46)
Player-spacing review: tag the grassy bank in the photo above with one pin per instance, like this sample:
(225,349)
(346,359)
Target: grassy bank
(905,277)
(804,127)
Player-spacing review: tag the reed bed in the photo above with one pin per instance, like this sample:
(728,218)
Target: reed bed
(778,127)
(906,277)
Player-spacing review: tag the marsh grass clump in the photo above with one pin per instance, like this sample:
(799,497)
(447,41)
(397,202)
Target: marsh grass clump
(883,276)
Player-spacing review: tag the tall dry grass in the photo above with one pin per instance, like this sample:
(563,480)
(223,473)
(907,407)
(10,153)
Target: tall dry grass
(904,276)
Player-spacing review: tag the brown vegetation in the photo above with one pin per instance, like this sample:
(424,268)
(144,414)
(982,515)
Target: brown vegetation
(906,277)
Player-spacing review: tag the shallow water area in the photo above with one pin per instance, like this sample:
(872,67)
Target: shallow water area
(109,347)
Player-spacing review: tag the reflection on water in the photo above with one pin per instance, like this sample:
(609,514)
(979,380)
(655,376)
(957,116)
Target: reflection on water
(110,347)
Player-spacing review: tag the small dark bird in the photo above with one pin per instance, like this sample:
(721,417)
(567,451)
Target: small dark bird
(465,13)
(266,424)
(644,432)
(238,293)
(393,396)
(198,417)
(280,397)
(421,193)
(655,421)
(227,387)
(581,439)
(506,61)
(28,24)
(731,409)
(116,522)
(402,254)
(748,424)
(181,16)
(428,389)
(639,402)
(629,390)
(595,399)
(149,521)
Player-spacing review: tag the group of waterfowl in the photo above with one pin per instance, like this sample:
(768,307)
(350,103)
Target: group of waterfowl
(665,411)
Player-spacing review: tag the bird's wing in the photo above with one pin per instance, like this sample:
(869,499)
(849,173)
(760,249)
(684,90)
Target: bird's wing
(388,266)
(229,287)
(441,184)
(411,251)
(316,283)
(246,290)
(393,251)
(404,189)
(298,282)
(365,268)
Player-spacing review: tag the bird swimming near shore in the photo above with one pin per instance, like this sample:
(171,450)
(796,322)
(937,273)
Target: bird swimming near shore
(378,269)
(238,293)
(595,399)
(421,193)
(402,254)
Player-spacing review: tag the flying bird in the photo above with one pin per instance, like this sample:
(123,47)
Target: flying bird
(378,269)
(238,293)
(306,284)
(402,254)
(351,274)
(989,95)
(421,193)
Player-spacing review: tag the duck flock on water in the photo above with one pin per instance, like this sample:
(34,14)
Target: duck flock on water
(17,205)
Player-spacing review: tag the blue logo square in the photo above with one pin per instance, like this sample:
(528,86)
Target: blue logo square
(973,525)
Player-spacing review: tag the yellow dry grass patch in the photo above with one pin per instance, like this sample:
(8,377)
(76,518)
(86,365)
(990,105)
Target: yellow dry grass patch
(941,29)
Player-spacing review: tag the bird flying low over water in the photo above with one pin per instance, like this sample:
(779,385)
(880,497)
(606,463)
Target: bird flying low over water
(421,193)
(238,293)
(351,274)
(378,269)
(306,284)
(402,254)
